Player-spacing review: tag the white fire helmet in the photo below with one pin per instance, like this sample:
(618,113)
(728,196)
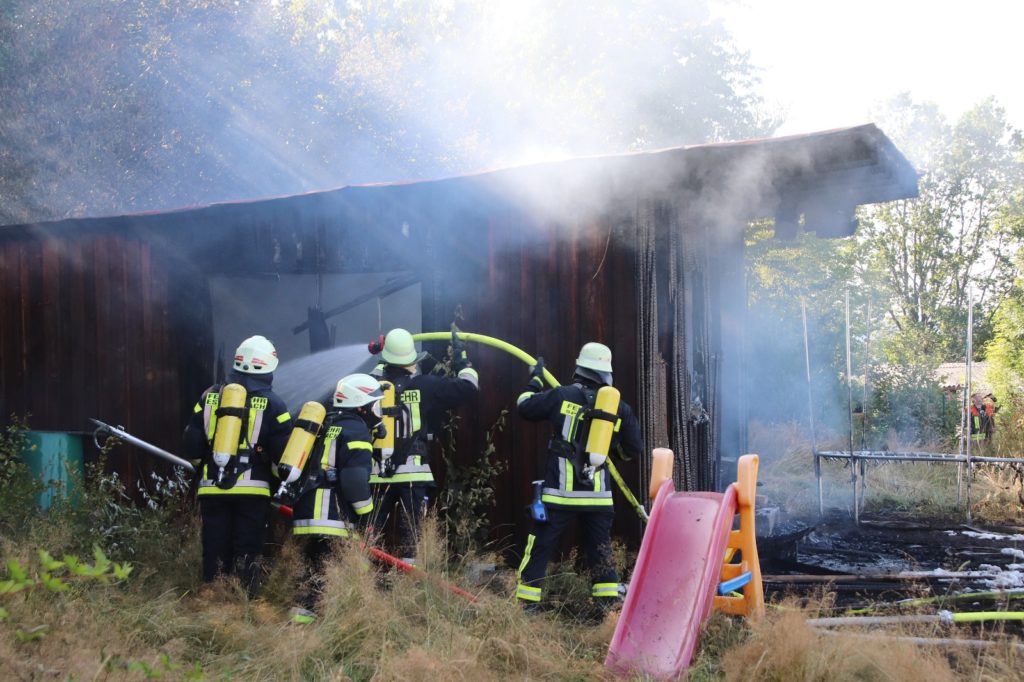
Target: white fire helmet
(256,355)
(400,349)
(356,390)
(597,358)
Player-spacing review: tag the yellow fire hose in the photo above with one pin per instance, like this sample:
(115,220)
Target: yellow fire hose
(944,617)
(940,599)
(530,360)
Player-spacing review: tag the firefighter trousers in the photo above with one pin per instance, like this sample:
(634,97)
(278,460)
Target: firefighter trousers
(315,550)
(410,500)
(234,530)
(595,529)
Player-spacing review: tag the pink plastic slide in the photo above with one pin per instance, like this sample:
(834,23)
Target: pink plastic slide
(674,582)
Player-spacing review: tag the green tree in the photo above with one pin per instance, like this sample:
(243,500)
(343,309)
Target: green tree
(959,235)
(1005,352)
(485,78)
(133,105)
(908,271)
(810,273)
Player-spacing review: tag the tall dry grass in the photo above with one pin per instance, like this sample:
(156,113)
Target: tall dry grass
(372,625)
(783,647)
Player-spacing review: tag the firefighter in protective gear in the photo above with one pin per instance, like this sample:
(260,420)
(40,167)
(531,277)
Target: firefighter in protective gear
(982,416)
(335,501)
(402,478)
(577,484)
(234,507)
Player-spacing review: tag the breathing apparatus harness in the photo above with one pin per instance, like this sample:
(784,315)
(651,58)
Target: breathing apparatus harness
(393,442)
(316,475)
(296,456)
(579,450)
(231,452)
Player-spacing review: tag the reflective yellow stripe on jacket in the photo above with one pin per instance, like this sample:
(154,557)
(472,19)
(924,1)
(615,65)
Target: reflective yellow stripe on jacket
(564,495)
(413,471)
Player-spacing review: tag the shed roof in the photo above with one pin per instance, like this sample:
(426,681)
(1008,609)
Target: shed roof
(816,174)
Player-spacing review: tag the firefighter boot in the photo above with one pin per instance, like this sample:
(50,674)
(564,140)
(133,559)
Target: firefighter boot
(301,616)
(249,570)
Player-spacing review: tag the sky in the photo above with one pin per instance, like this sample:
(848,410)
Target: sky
(828,64)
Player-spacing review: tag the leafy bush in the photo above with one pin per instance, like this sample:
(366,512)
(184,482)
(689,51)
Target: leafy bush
(52,577)
(468,496)
(18,488)
(153,525)
(908,404)
(156,527)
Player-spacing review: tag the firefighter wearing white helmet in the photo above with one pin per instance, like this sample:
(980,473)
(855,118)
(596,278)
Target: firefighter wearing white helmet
(237,431)
(402,477)
(336,501)
(256,355)
(576,482)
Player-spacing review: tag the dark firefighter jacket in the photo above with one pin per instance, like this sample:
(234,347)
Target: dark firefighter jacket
(339,465)
(565,482)
(265,432)
(425,397)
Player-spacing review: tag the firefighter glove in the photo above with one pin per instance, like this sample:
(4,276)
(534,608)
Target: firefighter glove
(537,374)
(380,431)
(460,359)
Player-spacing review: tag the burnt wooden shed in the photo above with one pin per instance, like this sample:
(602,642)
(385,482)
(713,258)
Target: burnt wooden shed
(112,317)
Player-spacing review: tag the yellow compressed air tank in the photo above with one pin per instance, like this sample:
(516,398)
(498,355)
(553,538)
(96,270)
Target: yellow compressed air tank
(300,442)
(602,426)
(386,445)
(229,426)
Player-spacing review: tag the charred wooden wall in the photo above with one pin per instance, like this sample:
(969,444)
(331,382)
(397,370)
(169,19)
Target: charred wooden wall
(112,320)
(546,288)
(112,317)
(90,327)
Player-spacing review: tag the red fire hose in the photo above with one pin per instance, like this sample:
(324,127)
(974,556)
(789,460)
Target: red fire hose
(383,556)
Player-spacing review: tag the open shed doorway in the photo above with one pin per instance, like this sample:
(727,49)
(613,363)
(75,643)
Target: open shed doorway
(320,324)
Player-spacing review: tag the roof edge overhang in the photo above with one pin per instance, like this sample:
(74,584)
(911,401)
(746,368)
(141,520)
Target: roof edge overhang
(758,178)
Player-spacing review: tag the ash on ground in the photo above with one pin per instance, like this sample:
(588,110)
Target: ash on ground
(888,556)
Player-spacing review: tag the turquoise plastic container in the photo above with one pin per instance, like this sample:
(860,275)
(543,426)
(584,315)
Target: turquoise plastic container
(55,459)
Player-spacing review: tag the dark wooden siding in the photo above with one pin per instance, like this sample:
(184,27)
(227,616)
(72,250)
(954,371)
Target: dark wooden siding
(116,324)
(546,288)
(111,317)
(86,332)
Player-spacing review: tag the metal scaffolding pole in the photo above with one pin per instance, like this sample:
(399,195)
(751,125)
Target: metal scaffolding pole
(936,457)
(810,408)
(967,394)
(854,463)
(964,427)
(864,387)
